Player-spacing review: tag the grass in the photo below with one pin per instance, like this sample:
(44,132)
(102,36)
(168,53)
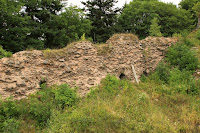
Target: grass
(117,106)
(52,53)
(128,107)
(126,36)
(103,49)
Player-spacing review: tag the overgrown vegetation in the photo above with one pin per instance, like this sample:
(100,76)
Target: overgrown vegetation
(114,106)
(4,53)
(36,110)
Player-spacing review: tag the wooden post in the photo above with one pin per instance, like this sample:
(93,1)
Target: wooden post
(135,75)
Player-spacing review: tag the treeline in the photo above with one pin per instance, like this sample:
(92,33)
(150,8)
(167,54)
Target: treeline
(40,24)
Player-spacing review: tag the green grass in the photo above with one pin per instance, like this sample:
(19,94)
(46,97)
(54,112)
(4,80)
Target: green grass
(116,106)
(120,106)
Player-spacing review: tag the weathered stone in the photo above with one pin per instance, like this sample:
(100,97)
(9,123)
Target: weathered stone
(20,83)
(46,62)
(82,66)
(8,72)
(62,60)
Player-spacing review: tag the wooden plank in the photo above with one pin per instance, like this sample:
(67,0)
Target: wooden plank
(135,75)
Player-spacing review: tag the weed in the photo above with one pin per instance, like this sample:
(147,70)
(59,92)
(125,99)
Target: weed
(103,49)
(181,56)
(4,53)
(65,96)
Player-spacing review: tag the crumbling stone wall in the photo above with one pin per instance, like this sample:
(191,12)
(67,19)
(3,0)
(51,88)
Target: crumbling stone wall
(80,64)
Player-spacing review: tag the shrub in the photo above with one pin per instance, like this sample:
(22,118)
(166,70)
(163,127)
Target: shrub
(11,126)
(177,35)
(181,56)
(4,53)
(183,82)
(163,72)
(40,111)
(110,84)
(155,28)
(187,42)
(9,108)
(65,96)
(198,34)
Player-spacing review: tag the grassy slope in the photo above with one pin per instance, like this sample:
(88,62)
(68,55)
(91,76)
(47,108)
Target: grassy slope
(120,106)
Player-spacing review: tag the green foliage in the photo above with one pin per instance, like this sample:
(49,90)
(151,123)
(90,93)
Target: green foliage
(182,57)
(40,25)
(196,7)
(103,16)
(114,106)
(163,72)
(11,126)
(183,82)
(8,110)
(40,111)
(198,35)
(111,85)
(65,96)
(37,107)
(155,28)
(13,26)
(83,37)
(193,7)
(137,16)
(177,35)
(75,23)
(4,53)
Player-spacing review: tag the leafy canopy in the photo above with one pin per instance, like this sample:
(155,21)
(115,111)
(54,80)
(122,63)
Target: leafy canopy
(136,18)
(103,16)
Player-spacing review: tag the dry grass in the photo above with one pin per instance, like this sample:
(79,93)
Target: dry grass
(126,36)
(52,53)
(103,49)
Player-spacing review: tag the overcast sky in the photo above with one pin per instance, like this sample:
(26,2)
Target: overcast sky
(120,2)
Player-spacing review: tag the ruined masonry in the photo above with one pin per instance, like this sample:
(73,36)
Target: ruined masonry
(80,64)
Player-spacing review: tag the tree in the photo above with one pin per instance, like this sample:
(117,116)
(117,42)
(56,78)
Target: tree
(44,23)
(103,16)
(155,28)
(13,26)
(193,7)
(136,18)
(196,8)
(75,23)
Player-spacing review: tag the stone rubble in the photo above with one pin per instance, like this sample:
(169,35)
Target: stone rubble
(80,65)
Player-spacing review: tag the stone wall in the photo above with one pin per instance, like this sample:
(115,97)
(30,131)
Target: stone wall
(81,64)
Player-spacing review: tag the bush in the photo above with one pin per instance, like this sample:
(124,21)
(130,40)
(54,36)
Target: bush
(187,42)
(163,72)
(11,126)
(4,53)
(8,110)
(198,35)
(40,111)
(183,82)
(65,96)
(110,83)
(182,57)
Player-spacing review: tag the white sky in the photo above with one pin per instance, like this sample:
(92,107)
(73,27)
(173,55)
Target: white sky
(120,2)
